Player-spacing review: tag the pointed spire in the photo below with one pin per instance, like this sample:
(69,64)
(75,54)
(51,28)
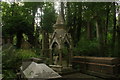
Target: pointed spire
(60,18)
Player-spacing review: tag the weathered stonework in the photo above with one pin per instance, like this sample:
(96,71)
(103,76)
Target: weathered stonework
(58,40)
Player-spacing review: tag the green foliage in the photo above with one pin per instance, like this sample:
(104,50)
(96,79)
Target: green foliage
(86,48)
(15,19)
(9,62)
(19,19)
(8,74)
(12,60)
(81,18)
(65,50)
(9,57)
(25,54)
(12,56)
(33,5)
(77,67)
(47,61)
(48,17)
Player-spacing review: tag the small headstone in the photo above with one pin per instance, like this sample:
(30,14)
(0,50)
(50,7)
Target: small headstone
(25,44)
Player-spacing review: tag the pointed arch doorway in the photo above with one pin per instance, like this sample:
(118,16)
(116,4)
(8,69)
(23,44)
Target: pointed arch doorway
(66,54)
(55,54)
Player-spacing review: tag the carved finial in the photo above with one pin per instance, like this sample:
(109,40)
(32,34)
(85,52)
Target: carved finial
(60,18)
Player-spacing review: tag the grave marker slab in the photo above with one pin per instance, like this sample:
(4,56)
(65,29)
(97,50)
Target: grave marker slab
(35,70)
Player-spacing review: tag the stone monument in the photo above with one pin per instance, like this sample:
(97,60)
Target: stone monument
(60,39)
(39,71)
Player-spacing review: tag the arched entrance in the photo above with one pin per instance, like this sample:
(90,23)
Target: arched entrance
(66,55)
(55,53)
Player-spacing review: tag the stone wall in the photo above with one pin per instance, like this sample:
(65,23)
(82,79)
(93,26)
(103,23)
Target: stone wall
(98,66)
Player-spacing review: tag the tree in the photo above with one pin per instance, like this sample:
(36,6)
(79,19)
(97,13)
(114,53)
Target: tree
(16,21)
(74,20)
(32,7)
(48,20)
(91,21)
(114,28)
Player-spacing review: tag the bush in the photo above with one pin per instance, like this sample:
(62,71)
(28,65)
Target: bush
(9,62)
(12,60)
(9,74)
(25,54)
(65,50)
(86,48)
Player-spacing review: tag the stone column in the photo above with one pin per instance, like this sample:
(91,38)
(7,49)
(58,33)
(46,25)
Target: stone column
(70,57)
(60,57)
(51,58)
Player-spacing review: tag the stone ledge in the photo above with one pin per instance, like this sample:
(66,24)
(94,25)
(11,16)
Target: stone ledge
(55,66)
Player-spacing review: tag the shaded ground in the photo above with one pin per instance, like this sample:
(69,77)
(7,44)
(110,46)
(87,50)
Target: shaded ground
(81,76)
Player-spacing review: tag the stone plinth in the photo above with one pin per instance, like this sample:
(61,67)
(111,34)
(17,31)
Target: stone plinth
(57,68)
(61,70)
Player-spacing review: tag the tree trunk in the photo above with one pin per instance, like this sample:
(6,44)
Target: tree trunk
(114,29)
(97,31)
(31,37)
(79,21)
(100,38)
(45,44)
(74,25)
(89,31)
(69,23)
(118,37)
(62,10)
(19,39)
(74,21)
(11,39)
(106,27)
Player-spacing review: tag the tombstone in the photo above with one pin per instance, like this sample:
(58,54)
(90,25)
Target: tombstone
(5,40)
(41,71)
(25,44)
(6,43)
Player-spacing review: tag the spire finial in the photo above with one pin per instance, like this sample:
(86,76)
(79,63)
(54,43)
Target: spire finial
(60,18)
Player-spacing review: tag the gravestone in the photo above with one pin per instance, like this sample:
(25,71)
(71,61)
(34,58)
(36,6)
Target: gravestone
(25,44)
(42,71)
